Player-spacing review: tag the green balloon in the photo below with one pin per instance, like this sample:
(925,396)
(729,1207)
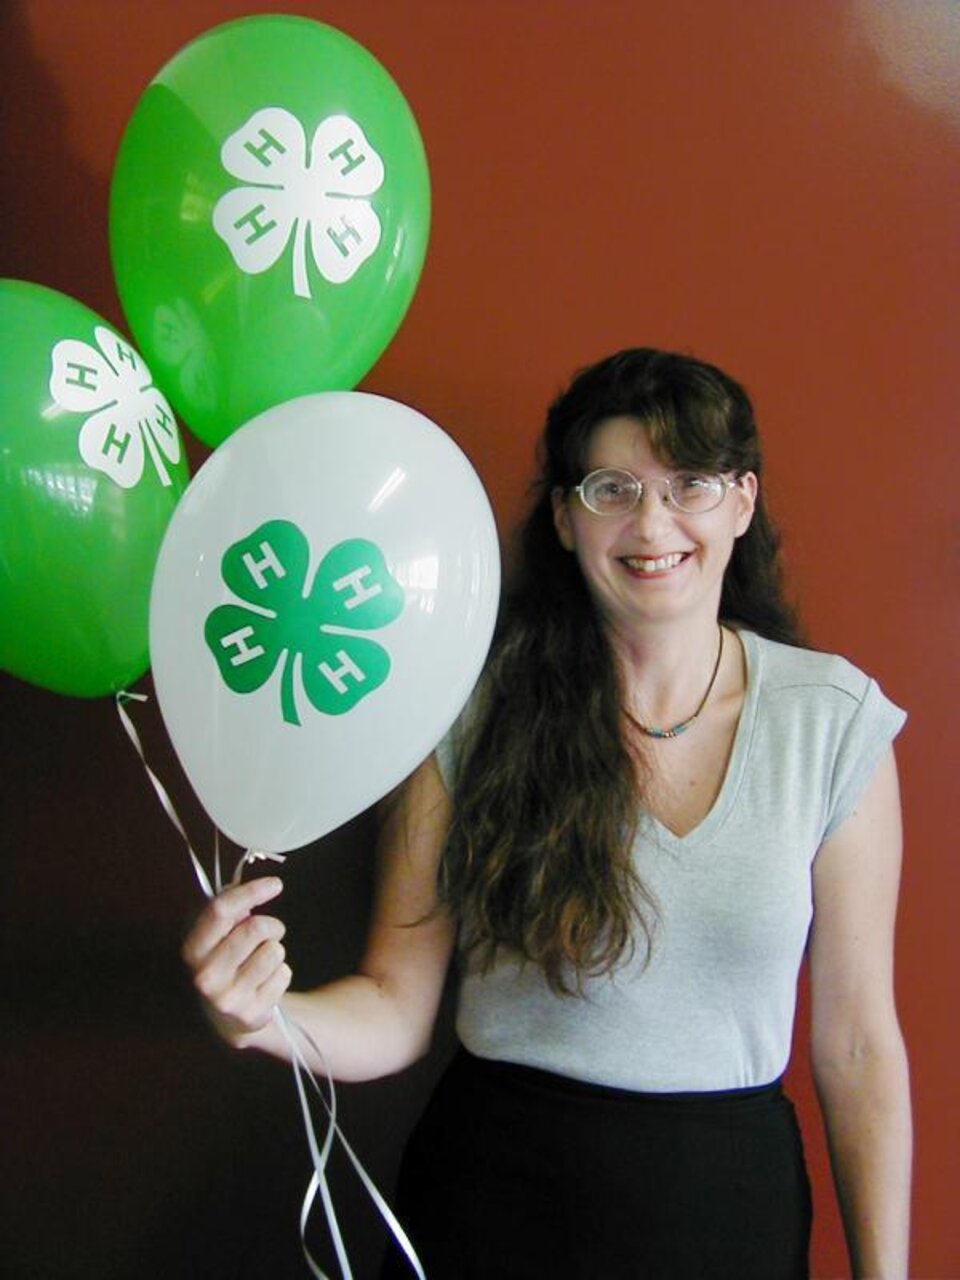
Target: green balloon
(91,468)
(269,216)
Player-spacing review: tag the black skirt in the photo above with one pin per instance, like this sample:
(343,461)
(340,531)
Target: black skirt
(518,1174)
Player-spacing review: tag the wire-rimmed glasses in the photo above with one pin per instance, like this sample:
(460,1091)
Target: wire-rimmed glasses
(611,491)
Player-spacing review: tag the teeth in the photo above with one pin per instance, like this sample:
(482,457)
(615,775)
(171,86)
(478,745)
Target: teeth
(654,566)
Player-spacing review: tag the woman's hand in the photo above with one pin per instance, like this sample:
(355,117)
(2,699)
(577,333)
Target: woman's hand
(238,961)
(373,1022)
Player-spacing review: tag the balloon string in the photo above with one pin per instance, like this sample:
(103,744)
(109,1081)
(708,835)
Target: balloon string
(303,1075)
(124,697)
(302,1072)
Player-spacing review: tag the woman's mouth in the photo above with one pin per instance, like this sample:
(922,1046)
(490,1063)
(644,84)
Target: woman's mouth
(654,564)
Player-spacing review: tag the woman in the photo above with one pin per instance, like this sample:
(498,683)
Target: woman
(655,803)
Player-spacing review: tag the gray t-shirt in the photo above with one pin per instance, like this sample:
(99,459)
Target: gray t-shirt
(714,1009)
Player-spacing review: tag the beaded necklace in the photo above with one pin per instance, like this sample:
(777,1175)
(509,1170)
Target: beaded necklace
(675,730)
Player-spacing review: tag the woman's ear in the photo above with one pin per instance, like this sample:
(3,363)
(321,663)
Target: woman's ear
(561,517)
(746,493)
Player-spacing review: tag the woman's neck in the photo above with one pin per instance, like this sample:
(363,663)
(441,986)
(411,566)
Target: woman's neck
(667,670)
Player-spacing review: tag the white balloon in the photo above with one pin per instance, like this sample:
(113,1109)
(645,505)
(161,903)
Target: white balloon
(298,690)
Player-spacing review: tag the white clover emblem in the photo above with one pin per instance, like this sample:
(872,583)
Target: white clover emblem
(128,417)
(318,194)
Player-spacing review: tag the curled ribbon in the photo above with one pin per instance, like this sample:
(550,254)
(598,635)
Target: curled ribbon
(304,1079)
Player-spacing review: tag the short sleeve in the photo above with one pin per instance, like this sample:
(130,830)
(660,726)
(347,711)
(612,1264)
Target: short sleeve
(872,728)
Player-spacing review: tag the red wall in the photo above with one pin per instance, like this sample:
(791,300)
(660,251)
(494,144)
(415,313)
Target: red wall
(770,184)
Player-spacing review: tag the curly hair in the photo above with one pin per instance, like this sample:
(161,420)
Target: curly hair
(548,793)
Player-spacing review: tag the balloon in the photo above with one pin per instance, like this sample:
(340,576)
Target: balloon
(91,467)
(322,605)
(269,216)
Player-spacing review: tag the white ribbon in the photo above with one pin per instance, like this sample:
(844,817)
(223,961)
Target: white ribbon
(167,804)
(302,1074)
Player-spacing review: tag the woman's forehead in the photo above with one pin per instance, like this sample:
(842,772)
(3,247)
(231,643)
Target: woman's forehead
(621,439)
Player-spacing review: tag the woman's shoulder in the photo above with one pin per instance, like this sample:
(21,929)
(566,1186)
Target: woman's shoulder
(825,694)
(786,666)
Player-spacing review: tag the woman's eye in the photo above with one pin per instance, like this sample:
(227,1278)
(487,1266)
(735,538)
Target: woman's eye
(693,482)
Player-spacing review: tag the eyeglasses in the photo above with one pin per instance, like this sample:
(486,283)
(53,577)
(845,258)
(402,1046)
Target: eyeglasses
(612,492)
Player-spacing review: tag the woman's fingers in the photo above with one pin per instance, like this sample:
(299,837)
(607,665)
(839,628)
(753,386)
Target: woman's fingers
(238,960)
(242,959)
(223,913)
(248,998)
(273,987)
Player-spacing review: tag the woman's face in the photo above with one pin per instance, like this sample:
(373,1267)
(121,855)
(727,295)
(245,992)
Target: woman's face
(654,564)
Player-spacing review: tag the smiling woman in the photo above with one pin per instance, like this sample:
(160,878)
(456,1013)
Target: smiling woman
(679,548)
(630,903)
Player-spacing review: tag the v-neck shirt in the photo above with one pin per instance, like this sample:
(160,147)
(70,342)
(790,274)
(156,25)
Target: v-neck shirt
(714,1007)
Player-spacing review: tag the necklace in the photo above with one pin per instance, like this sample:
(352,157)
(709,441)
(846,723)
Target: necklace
(675,730)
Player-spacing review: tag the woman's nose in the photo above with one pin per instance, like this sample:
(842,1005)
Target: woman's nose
(653,506)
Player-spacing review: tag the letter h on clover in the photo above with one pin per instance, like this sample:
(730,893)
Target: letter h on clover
(314,632)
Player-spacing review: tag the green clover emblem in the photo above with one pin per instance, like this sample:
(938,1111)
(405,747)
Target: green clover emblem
(313,632)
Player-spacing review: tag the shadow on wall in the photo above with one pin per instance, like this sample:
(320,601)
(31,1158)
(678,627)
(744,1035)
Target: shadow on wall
(137,1145)
(55,209)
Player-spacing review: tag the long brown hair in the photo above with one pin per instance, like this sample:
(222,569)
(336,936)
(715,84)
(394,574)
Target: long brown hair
(539,854)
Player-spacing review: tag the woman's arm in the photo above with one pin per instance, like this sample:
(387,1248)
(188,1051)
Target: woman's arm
(859,1060)
(379,1019)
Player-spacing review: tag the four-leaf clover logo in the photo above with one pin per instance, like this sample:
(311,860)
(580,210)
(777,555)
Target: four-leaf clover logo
(316,193)
(128,417)
(311,631)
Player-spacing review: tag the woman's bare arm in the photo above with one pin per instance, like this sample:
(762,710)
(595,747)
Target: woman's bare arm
(859,1060)
(379,1019)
